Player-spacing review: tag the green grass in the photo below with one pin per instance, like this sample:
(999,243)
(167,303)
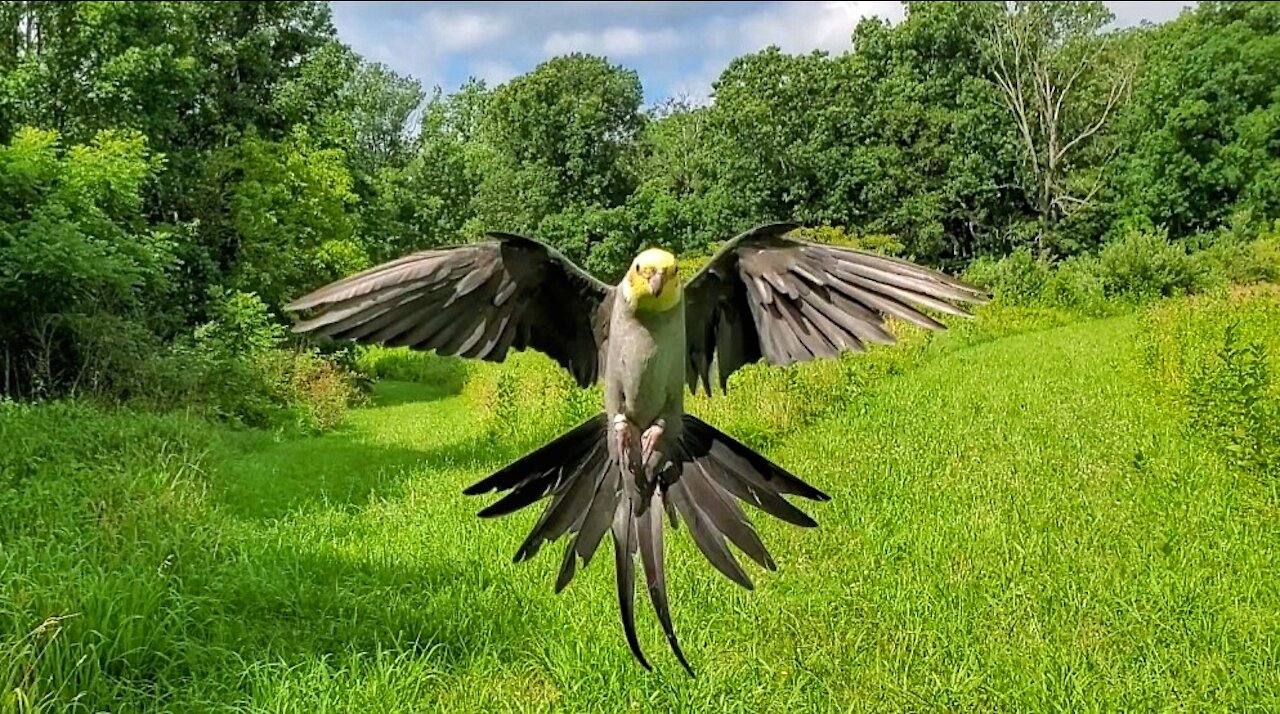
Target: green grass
(1016,525)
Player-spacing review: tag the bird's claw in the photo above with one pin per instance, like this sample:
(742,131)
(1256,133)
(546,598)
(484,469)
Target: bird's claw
(624,434)
(649,440)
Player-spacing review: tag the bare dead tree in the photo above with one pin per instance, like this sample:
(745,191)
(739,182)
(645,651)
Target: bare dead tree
(1062,82)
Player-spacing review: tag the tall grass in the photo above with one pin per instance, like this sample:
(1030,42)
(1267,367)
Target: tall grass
(1030,512)
(1018,523)
(1215,359)
(103,516)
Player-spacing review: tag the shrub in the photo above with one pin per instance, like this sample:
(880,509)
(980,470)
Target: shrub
(1235,403)
(1214,358)
(74,249)
(1076,285)
(1017,279)
(1229,261)
(837,235)
(445,372)
(528,399)
(1142,266)
(238,368)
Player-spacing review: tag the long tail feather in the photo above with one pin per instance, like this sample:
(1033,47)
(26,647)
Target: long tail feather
(655,573)
(624,549)
(589,493)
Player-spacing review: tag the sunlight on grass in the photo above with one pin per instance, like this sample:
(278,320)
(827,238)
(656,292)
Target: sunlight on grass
(1016,525)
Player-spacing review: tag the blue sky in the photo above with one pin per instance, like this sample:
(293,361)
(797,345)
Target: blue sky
(678,48)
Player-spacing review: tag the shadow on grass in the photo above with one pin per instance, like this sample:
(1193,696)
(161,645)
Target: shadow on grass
(393,393)
(335,471)
(340,472)
(311,606)
(264,478)
(315,597)
(418,377)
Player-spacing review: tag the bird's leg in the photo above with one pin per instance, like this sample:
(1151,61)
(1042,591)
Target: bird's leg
(624,434)
(649,440)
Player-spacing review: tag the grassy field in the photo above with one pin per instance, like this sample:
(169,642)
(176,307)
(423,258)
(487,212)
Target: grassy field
(1025,523)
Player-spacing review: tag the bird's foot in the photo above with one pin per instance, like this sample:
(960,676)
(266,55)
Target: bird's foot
(624,434)
(649,441)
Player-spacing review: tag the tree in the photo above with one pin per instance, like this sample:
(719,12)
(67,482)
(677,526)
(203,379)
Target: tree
(1200,134)
(560,136)
(292,214)
(1062,82)
(77,259)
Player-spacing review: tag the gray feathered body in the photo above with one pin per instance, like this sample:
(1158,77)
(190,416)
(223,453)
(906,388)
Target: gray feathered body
(644,369)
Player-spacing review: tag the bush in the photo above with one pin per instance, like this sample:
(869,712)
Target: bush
(238,368)
(445,372)
(1137,268)
(837,235)
(1214,358)
(1017,279)
(1229,261)
(528,399)
(1235,402)
(75,253)
(1076,285)
(1143,266)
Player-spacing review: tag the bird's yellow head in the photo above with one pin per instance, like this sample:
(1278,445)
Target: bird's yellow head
(652,283)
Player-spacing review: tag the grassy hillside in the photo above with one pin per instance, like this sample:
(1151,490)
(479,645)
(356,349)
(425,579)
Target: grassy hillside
(1036,521)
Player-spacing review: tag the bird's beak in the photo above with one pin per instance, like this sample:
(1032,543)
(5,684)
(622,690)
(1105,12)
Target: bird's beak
(655,282)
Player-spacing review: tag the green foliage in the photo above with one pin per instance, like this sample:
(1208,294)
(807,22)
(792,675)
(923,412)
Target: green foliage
(557,139)
(291,209)
(239,368)
(216,147)
(100,514)
(1237,403)
(1213,358)
(445,374)
(1136,269)
(74,246)
(527,400)
(1196,150)
(1233,261)
(1018,278)
(1144,266)
(839,236)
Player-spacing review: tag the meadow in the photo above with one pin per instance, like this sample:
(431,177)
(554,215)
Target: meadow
(1033,511)
(1067,503)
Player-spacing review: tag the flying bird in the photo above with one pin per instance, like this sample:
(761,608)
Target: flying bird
(764,295)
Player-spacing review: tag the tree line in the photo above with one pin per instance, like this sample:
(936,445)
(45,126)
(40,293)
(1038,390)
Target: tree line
(167,166)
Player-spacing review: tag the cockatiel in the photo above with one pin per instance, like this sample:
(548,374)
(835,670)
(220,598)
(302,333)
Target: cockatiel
(763,295)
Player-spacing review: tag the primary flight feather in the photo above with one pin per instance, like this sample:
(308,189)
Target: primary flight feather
(762,296)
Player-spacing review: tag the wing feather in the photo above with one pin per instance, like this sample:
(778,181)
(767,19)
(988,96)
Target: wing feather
(767,296)
(478,300)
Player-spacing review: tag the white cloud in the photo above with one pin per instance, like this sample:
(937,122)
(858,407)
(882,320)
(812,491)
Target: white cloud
(612,42)
(494,72)
(445,31)
(1128,14)
(805,26)
(695,87)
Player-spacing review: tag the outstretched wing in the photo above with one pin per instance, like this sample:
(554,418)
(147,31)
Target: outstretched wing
(764,295)
(477,300)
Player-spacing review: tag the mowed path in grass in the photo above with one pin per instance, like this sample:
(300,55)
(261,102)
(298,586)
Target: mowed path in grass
(1015,526)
